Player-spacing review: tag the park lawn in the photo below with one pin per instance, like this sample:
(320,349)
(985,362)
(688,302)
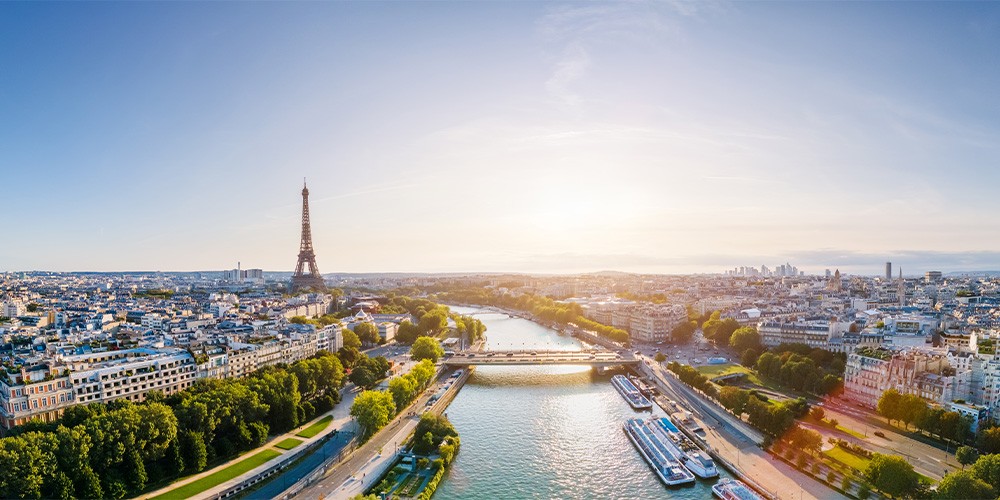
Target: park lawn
(195,487)
(849,459)
(316,428)
(712,371)
(288,443)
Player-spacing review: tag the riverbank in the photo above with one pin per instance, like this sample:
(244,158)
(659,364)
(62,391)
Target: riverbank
(736,444)
(362,469)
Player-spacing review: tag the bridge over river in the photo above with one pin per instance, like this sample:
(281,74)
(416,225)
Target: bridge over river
(540,357)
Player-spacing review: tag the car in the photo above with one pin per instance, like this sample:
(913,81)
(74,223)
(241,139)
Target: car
(510,354)
(472,355)
(879,434)
(490,355)
(533,353)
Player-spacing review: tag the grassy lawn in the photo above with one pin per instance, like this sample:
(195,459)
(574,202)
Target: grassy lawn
(712,371)
(316,428)
(849,459)
(288,443)
(193,488)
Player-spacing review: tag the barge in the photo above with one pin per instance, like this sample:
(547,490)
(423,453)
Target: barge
(631,394)
(684,450)
(654,450)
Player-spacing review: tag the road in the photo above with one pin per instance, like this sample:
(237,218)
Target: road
(927,459)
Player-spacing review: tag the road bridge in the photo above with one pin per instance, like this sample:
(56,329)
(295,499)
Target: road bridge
(540,357)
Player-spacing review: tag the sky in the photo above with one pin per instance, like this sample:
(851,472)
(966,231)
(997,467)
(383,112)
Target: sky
(656,137)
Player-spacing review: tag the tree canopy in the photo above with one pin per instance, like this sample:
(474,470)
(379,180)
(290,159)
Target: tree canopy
(367,333)
(892,475)
(372,410)
(426,348)
(744,338)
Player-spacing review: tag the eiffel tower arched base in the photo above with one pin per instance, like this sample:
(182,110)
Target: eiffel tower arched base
(307,282)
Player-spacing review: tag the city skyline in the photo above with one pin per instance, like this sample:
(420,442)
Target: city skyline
(452,137)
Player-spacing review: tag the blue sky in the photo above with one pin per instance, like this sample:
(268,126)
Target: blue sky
(501,136)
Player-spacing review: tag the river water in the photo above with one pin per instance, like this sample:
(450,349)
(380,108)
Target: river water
(546,432)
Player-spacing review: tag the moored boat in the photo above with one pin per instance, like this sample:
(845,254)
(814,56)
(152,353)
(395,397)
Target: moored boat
(731,489)
(653,450)
(684,450)
(631,394)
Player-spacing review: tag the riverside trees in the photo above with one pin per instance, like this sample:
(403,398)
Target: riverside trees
(370,409)
(373,410)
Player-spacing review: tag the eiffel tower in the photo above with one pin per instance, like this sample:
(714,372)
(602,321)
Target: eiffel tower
(306,271)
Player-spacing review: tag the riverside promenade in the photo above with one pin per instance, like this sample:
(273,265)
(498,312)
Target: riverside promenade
(363,467)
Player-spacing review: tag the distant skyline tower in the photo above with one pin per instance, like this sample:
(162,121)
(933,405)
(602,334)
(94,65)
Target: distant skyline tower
(307,274)
(888,271)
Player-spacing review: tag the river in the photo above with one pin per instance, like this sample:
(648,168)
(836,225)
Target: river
(546,432)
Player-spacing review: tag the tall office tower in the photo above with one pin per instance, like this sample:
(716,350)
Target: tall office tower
(888,271)
(306,279)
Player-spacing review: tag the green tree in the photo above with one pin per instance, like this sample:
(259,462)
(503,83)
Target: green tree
(372,410)
(349,356)
(890,405)
(966,455)
(745,338)
(964,485)
(433,322)
(749,357)
(734,399)
(367,333)
(426,348)
(683,332)
(912,409)
(987,468)
(407,332)
(403,390)
(351,339)
(988,440)
(193,451)
(892,475)
(725,331)
(660,357)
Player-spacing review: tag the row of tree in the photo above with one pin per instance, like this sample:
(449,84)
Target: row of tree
(692,377)
(404,389)
(114,450)
(910,409)
(374,409)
